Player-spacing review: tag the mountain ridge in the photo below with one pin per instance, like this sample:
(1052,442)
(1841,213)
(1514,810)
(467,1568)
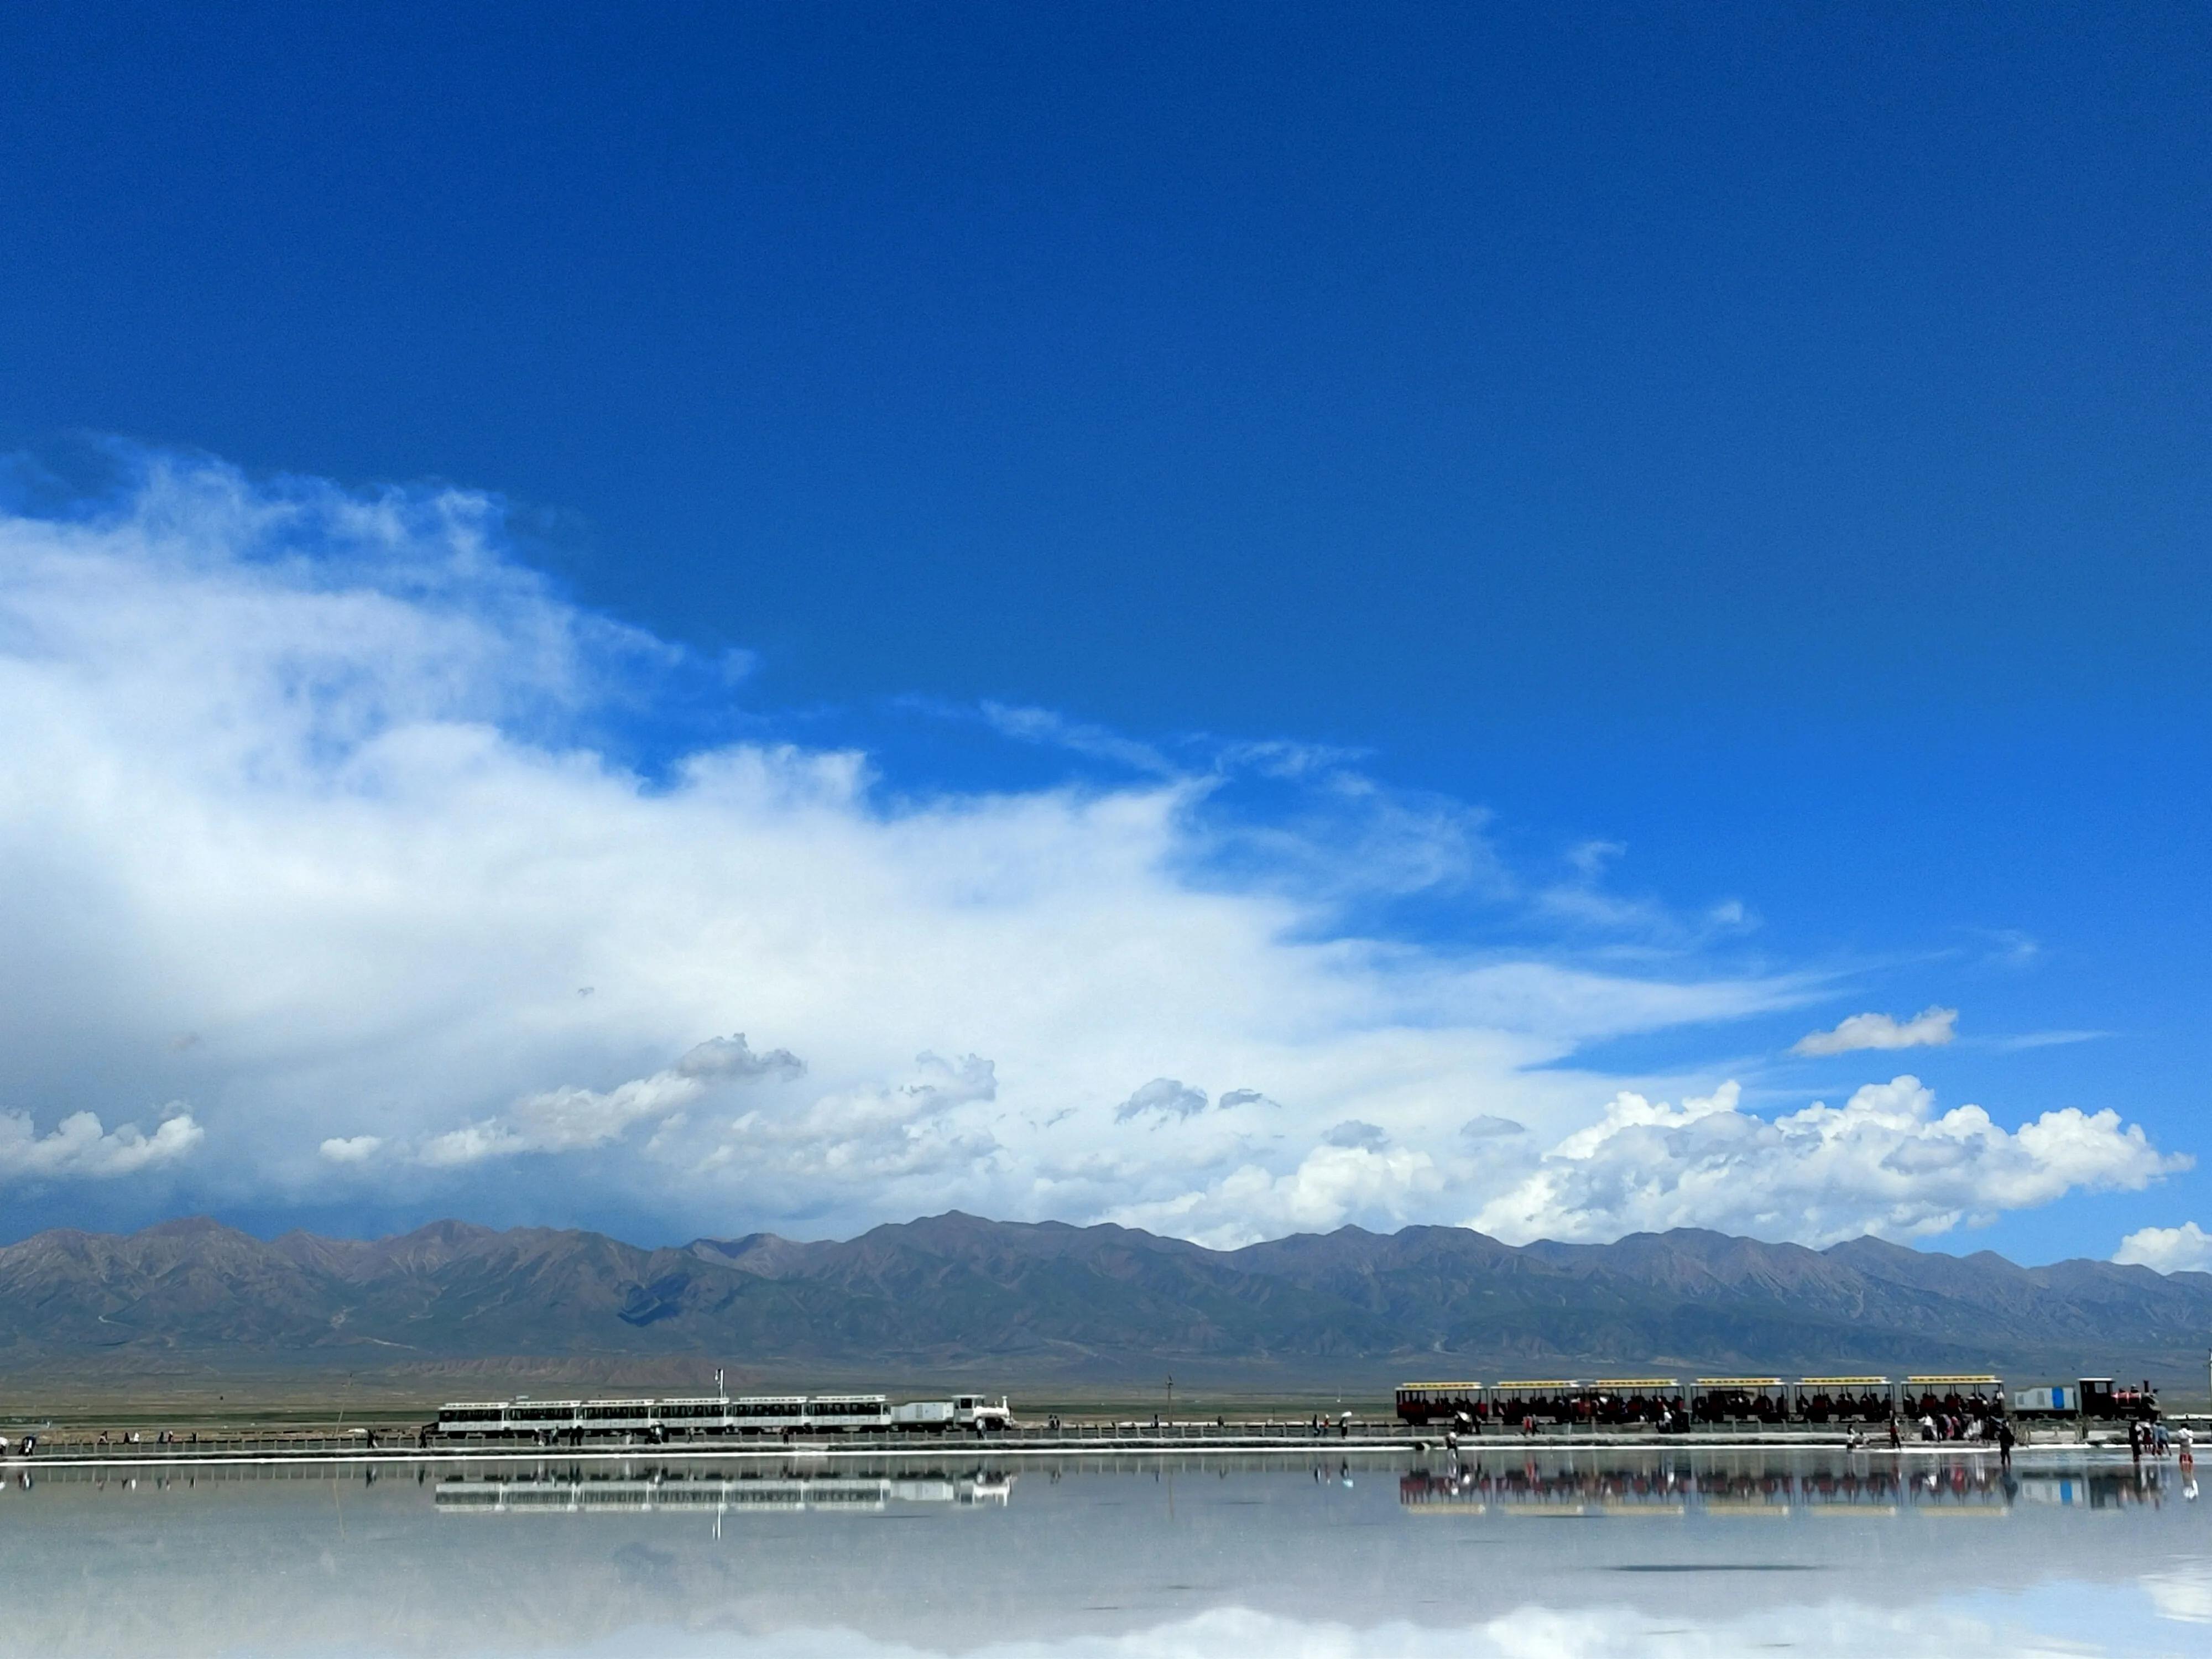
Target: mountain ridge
(956,1292)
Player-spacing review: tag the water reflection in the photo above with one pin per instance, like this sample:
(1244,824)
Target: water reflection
(1533,1487)
(627,1490)
(1098,1558)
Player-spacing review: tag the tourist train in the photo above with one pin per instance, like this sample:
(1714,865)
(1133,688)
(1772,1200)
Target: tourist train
(690,1490)
(1674,1402)
(661,1420)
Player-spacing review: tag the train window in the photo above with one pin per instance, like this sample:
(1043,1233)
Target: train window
(682,1411)
(766,1408)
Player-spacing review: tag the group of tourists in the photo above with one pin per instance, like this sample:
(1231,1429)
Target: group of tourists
(2153,1439)
(1954,1425)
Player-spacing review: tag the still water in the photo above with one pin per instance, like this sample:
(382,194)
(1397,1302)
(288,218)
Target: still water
(1590,1553)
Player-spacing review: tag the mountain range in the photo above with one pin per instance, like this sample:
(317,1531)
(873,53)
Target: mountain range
(957,1295)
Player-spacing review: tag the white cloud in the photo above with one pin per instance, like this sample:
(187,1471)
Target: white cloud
(324,780)
(1489,1127)
(1041,726)
(898,1144)
(1387,1185)
(1931,1028)
(2041,1040)
(569,1119)
(1883,1162)
(2185,1249)
(78,1146)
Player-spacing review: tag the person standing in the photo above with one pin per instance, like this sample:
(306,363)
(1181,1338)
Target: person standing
(2004,1445)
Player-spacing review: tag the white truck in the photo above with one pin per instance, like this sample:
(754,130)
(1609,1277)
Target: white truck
(972,1412)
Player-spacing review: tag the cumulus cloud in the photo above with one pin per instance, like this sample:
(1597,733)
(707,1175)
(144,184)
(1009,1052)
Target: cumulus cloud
(2185,1249)
(569,1119)
(1387,1185)
(897,1142)
(77,1146)
(1883,1162)
(1931,1028)
(330,780)
(1488,1126)
(1163,1096)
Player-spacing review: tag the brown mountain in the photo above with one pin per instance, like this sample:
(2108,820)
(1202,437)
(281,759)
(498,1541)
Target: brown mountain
(957,1292)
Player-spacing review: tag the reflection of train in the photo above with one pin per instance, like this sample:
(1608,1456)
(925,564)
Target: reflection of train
(661,1420)
(678,1490)
(1670,1402)
(1658,1490)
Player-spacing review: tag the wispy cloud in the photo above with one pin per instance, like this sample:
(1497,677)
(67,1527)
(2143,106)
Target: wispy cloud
(1042,726)
(2039,1040)
(1585,900)
(2010,947)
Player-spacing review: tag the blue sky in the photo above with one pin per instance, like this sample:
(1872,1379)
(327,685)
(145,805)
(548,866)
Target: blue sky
(1692,497)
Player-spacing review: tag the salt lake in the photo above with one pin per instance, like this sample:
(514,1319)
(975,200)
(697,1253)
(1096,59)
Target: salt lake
(1502,1553)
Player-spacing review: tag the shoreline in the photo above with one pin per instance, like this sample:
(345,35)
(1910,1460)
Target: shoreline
(1006,1448)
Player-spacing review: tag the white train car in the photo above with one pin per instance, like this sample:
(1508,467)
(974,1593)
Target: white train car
(465,1418)
(848,1413)
(680,1419)
(768,1414)
(536,1417)
(616,1417)
(702,1417)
